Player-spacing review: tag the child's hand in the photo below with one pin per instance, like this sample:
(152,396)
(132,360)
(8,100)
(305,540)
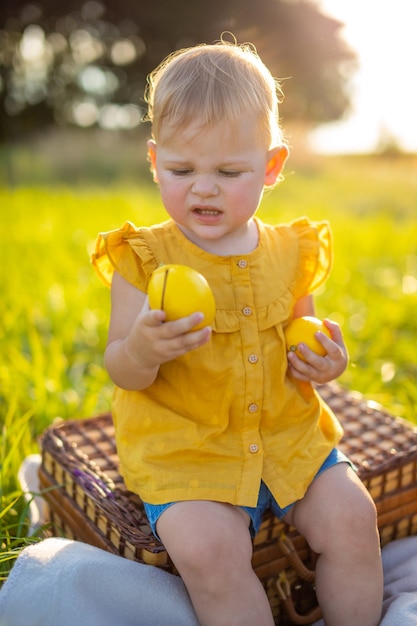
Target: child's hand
(320,369)
(140,340)
(152,341)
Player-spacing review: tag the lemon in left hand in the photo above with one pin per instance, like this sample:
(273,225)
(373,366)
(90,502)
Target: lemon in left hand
(180,290)
(303,330)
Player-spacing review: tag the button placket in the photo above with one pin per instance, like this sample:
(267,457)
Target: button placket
(251,352)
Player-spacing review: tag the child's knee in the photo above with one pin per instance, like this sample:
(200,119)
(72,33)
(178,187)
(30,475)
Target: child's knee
(213,560)
(360,514)
(361,519)
(216,551)
(337,510)
(355,527)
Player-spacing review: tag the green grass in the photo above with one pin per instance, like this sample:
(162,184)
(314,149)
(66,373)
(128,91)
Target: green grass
(54,311)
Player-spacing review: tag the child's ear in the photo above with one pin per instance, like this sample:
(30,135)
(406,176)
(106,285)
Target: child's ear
(276,160)
(152,157)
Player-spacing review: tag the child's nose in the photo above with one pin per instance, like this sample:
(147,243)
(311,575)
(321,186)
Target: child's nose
(205,186)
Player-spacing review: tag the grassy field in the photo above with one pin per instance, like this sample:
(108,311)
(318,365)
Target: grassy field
(54,311)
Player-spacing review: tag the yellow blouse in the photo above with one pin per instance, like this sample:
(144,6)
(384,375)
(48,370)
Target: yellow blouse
(224,416)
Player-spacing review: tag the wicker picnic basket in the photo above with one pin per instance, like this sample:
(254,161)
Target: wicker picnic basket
(87,499)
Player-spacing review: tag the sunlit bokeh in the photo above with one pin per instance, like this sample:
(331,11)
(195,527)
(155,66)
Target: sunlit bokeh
(384,97)
(80,54)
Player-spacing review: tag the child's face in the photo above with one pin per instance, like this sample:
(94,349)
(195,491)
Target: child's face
(211,179)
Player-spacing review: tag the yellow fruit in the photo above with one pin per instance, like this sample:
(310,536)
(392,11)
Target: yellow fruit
(302,330)
(180,291)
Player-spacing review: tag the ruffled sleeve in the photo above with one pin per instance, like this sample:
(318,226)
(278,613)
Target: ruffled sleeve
(315,255)
(124,250)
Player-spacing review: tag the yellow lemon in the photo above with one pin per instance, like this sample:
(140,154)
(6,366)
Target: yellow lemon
(302,330)
(180,291)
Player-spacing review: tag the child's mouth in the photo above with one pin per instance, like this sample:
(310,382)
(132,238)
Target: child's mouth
(206,212)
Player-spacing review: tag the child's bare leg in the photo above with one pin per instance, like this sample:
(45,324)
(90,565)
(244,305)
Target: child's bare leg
(337,517)
(210,544)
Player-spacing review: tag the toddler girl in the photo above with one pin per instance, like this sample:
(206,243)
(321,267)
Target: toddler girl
(215,425)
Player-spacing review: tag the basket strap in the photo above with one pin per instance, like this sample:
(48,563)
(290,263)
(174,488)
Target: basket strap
(289,550)
(284,593)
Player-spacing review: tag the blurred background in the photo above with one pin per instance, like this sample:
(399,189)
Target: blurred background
(72,76)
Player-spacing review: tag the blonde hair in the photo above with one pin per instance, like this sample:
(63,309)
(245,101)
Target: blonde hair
(217,82)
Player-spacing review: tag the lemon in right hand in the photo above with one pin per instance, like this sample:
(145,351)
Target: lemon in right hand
(303,330)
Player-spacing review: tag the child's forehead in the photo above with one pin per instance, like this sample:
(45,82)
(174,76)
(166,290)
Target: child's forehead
(231,129)
(171,130)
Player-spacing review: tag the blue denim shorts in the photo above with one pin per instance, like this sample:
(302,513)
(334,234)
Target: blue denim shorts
(265,499)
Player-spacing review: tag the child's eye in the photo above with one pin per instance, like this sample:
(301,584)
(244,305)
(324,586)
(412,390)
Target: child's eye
(229,173)
(182,172)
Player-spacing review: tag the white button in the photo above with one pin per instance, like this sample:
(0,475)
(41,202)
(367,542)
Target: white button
(247,311)
(252,358)
(242,263)
(253,448)
(253,407)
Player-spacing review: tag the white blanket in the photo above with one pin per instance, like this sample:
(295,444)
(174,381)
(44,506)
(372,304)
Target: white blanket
(59,582)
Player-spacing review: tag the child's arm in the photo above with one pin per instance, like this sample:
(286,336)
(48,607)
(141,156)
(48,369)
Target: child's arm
(317,368)
(140,340)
